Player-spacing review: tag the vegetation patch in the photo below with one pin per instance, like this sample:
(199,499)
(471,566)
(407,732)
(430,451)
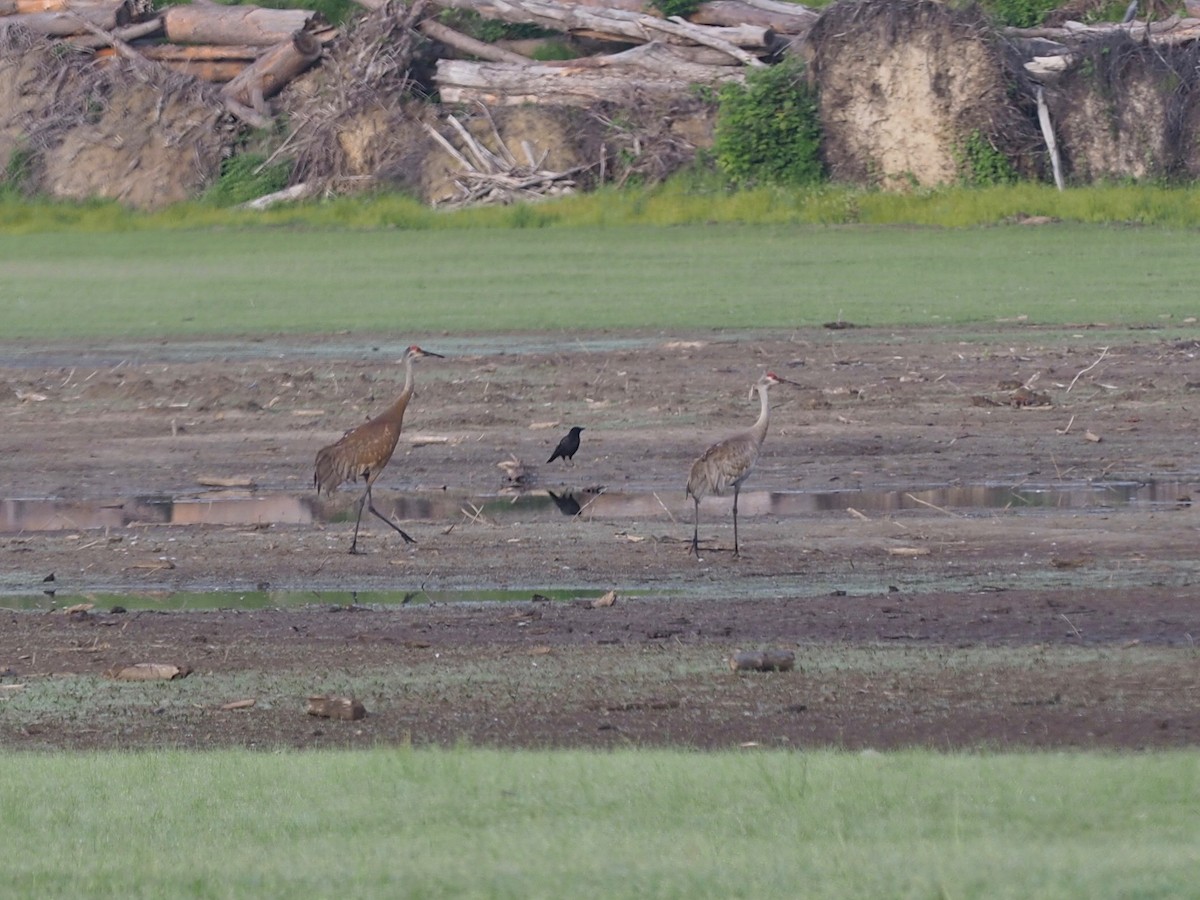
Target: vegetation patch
(767,130)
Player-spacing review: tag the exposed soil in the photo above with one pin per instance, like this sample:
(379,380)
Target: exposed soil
(934,626)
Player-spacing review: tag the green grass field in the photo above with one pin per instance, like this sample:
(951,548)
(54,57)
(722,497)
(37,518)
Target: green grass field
(173,283)
(396,822)
(473,823)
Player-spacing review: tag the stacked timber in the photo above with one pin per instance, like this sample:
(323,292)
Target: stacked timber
(251,50)
(721,40)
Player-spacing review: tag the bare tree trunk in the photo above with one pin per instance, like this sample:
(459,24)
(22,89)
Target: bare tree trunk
(465,44)
(575,84)
(126,33)
(269,73)
(620,25)
(215,24)
(64,24)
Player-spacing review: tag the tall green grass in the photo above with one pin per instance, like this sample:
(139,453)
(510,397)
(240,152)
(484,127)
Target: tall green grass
(223,282)
(686,200)
(470,823)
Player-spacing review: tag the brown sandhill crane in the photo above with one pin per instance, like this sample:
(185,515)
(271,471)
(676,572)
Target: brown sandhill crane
(729,462)
(363,452)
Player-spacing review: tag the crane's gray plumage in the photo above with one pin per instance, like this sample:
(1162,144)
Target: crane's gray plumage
(728,463)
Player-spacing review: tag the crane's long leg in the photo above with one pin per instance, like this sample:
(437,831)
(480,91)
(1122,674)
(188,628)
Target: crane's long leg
(365,501)
(696,529)
(403,534)
(735,537)
(362,501)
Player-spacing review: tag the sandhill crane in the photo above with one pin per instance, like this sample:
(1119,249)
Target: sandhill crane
(363,452)
(567,447)
(729,462)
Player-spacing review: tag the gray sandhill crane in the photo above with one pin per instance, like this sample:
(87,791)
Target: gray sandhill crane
(363,452)
(729,462)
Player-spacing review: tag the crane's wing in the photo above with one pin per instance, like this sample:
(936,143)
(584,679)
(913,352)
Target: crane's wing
(359,453)
(722,465)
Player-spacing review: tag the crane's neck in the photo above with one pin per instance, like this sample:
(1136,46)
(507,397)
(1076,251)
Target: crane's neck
(759,429)
(395,412)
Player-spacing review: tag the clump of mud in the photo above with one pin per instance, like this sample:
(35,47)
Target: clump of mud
(904,85)
(140,134)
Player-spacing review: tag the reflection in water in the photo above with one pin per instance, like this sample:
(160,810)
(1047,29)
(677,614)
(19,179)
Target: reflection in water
(224,508)
(566,503)
(250,508)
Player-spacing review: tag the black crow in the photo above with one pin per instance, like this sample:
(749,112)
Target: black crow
(568,446)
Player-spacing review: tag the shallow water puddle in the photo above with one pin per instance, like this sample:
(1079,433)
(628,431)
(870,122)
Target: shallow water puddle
(242,508)
(335,601)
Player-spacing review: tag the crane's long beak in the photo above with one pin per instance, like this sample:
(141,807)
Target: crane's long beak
(430,353)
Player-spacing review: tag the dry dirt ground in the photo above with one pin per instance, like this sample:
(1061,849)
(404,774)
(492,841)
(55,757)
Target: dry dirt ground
(923,607)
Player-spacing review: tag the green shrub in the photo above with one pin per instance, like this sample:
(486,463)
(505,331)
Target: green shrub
(245,177)
(767,130)
(980,164)
(1019,13)
(472,24)
(682,8)
(17,180)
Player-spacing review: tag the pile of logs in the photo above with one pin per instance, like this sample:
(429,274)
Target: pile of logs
(1055,47)
(669,54)
(252,51)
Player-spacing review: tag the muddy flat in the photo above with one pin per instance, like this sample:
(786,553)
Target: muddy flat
(966,540)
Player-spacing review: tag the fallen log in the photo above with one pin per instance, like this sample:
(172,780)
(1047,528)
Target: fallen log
(621,25)
(565,84)
(268,74)
(91,40)
(1172,30)
(287,195)
(67,24)
(137,8)
(692,64)
(196,53)
(216,24)
(216,71)
(434,29)
(782,18)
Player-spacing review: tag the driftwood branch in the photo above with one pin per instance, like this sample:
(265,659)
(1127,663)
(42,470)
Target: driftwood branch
(434,29)
(1172,30)
(495,176)
(288,195)
(127,33)
(1048,134)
